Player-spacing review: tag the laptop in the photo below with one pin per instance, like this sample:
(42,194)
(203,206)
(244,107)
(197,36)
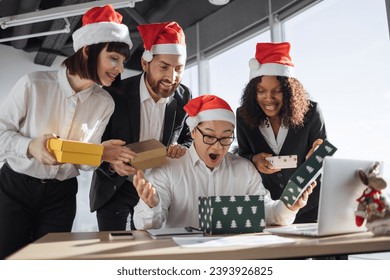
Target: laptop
(340,187)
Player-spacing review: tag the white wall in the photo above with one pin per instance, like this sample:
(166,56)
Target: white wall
(15,63)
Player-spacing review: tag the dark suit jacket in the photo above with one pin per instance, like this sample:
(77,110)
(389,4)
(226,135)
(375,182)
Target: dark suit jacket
(125,125)
(298,142)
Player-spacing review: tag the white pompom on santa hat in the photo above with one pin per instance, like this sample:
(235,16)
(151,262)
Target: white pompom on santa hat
(272,59)
(101,25)
(162,38)
(208,107)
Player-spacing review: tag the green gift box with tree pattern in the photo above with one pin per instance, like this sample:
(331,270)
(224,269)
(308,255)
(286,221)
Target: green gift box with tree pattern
(231,214)
(306,173)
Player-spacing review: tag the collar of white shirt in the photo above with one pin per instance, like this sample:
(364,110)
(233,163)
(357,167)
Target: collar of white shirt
(68,90)
(275,144)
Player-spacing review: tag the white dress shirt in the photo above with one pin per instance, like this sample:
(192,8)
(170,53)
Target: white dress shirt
(269,136)
(45,103)
(181,181)
(152,114)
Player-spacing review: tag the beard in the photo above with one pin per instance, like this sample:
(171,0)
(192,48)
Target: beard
(159,89)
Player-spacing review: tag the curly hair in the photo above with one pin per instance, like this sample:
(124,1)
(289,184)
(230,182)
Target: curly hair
(295,103)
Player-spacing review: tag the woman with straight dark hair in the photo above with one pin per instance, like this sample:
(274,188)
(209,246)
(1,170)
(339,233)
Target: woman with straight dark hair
(38,195)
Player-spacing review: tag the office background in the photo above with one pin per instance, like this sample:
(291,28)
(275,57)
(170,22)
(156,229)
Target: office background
(341,52)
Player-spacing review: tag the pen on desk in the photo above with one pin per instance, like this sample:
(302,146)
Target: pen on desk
(190,228)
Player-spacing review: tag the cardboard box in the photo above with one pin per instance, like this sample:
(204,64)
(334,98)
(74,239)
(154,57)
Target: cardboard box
(306,173)
(76,152)
(150,153)
(231,214)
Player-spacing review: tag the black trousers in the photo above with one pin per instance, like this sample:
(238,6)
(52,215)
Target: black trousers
(30,208)
(119,210)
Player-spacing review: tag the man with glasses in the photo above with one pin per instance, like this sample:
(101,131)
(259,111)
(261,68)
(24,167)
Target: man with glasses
(169,196)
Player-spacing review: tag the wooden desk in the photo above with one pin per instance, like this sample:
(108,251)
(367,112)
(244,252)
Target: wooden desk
(96,245)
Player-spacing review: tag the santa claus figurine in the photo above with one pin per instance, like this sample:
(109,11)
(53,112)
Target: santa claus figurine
(373,205)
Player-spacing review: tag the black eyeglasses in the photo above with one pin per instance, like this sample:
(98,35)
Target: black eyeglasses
(211,140)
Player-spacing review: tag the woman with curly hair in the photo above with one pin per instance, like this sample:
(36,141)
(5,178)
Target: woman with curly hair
(276,117)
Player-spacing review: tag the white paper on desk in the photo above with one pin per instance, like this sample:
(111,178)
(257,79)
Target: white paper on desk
(183,241)
(238,240)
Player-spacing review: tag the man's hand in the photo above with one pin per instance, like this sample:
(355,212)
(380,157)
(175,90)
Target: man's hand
(302,201)
(176,151)
(38,148)
(145,190)
(263,165)
(123,169)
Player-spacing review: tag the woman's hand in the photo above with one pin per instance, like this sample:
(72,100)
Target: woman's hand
(115,152)
(38,148)
(263,165)
(314,147)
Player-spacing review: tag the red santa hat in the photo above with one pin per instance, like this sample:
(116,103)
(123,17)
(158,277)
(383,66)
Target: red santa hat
(162,38)
(101,25)
(208,108)
(272,59)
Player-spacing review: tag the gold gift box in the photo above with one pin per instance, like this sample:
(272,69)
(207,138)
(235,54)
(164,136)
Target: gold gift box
(150,153)
(76,152)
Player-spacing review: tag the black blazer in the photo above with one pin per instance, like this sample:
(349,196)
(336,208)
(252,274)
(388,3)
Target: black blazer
(124,124)
(298,142)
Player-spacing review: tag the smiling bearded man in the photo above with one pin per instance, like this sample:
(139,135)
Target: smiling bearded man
(147,106)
